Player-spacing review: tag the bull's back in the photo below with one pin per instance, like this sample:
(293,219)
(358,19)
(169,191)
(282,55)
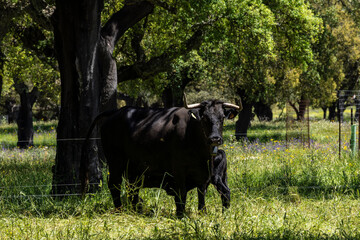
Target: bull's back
(147,139)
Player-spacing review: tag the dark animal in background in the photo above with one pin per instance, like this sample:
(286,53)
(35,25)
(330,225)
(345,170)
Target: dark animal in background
(168,148)
(219,180)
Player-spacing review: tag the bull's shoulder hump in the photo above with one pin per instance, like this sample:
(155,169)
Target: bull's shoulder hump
(182,113)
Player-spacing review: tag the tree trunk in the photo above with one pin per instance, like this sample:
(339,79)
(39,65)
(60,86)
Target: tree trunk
(301,110)
(332,111)
(244,119)
(263,111)
(88,80)
(25,116)
(303,105)
(324,112)
(77,33)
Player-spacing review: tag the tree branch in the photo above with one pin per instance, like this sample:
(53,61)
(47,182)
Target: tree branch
(7,13)
(136,42)
(30,38)
(124,19)
(41,12)
(160,63)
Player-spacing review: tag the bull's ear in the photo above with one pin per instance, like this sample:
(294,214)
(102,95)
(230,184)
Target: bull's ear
(230,113)
(195,114)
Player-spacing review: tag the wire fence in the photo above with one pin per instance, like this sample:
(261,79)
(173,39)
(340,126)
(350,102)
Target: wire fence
(301,128)
(242,189)
(46,195)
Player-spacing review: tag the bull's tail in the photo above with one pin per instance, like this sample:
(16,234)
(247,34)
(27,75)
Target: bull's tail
(84,161)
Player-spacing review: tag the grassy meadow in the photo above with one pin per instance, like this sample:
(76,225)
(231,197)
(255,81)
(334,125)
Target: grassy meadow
(280,190)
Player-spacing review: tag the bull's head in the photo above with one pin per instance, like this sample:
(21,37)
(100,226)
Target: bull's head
(211,114)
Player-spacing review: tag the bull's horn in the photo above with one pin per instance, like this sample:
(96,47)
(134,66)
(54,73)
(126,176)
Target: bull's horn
(230,105)
(195,105)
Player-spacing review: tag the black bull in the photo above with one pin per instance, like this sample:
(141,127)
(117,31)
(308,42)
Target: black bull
(168,148)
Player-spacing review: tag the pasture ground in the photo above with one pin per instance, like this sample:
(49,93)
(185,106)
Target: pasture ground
(278,192)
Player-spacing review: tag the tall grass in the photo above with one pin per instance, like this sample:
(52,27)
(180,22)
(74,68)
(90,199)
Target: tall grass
(279,191)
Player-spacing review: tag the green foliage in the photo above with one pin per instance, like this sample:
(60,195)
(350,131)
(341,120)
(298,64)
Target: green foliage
(335,54)
(247,44)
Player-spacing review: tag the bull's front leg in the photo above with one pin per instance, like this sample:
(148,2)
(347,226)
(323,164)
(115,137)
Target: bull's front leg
(201,197)
(114,186)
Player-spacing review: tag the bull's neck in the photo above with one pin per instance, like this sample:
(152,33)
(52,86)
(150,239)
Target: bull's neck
(198,137)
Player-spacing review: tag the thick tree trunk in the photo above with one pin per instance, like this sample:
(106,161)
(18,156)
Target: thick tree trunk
(88,80)
(244,119)
(77,33)
(25,116)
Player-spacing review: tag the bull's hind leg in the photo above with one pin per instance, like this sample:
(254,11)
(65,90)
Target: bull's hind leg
(136,201)
(133,189)
(115,187)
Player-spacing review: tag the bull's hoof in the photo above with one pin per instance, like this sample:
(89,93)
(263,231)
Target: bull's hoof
(224,209)
(139,208)
(180,215)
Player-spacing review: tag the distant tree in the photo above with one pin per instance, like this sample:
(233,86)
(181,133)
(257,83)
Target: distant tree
(28,65)
(26,76)
(264,48)
(336,55)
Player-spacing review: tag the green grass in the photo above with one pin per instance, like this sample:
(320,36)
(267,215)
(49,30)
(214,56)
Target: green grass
(278,192)
(44,134)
